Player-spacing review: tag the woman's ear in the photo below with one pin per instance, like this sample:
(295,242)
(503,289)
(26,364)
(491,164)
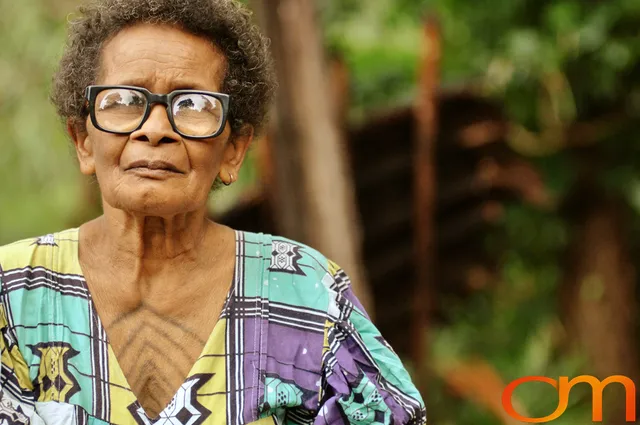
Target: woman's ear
(84,148)
(237,148)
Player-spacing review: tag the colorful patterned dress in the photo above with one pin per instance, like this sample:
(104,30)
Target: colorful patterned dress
(292,346)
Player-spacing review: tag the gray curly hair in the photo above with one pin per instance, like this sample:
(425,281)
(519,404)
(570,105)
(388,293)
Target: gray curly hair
(249,78)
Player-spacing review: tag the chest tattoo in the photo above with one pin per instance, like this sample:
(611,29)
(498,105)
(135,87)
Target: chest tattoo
(155,354)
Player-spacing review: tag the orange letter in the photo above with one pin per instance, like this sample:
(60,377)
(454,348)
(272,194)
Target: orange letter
(508,406)
(598,388)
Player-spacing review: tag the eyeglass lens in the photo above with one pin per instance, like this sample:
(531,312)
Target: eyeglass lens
(194,114)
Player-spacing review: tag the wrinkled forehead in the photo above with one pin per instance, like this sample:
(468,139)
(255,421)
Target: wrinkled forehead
(161,58)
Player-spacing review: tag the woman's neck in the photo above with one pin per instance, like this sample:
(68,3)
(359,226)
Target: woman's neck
(130,261)
(150,239)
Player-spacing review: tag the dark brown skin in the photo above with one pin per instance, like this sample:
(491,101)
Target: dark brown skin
(157,268)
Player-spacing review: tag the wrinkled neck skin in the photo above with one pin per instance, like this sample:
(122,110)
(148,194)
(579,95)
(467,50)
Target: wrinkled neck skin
(144,246)
(154,238)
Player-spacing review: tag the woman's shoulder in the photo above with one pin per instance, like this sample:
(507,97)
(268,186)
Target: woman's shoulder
(287,255)
(300,274)
(293,257)
(40,251)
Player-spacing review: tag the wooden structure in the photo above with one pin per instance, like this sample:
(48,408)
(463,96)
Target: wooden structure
(309,179)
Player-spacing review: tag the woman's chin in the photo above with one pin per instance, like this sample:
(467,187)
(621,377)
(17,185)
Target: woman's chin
(155,210)
(158,206)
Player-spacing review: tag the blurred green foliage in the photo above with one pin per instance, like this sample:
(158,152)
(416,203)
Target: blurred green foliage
(40,179)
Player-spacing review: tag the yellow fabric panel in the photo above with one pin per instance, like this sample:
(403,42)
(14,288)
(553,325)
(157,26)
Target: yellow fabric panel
(333,267)
(22,253)
(120,394)
(325,347)
(57,254)
(54,368)
(67,255)
(12,358)
(212,394)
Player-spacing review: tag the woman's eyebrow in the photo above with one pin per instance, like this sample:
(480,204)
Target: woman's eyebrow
(128,82)
(179,85)
(175,85)
(190,87)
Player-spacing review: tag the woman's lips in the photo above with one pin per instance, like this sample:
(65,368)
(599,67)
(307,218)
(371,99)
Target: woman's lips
(157,170)
(156,165)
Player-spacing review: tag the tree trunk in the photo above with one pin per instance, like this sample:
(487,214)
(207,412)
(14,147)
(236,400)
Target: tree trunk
(426,117)
(316,200)
(600,302)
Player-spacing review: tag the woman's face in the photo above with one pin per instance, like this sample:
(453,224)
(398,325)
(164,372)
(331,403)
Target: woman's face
(160,59)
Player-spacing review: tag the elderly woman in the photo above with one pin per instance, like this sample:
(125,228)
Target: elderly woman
(151,313)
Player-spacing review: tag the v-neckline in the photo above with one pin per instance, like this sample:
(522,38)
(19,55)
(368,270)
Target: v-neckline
(94,311)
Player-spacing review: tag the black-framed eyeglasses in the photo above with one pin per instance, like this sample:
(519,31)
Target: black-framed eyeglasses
(193,114)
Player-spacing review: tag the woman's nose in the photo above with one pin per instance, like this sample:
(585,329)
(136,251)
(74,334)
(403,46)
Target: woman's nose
(157,128)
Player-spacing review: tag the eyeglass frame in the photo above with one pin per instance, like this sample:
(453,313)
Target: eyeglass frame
(91,93)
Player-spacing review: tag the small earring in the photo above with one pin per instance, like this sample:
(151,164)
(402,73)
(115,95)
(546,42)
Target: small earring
(231,180)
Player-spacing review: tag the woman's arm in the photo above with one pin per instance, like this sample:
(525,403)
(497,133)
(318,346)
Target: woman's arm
(364,381)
